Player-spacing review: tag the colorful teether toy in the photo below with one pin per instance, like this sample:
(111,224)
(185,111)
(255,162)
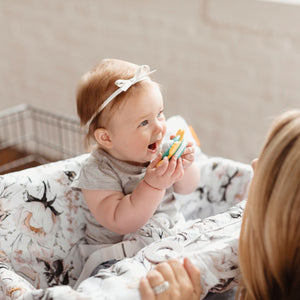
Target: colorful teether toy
(174,146)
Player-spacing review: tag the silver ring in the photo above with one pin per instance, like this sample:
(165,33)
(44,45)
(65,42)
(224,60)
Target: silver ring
(161,288)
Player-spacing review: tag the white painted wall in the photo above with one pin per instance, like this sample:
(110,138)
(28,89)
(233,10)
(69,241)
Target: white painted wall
(227,66)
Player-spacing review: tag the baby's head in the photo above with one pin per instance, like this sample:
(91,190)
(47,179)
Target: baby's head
(142,99)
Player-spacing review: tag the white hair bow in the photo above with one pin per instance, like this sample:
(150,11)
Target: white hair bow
(142,73)
(125,84)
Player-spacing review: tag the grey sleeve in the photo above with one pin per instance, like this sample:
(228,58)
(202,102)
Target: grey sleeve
(95,175)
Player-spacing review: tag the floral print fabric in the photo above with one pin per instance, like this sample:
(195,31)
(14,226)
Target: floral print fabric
(42,224)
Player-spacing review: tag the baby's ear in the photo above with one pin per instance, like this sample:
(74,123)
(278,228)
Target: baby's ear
(102,137)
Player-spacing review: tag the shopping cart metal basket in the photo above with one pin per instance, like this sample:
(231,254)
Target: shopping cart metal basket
(31,136)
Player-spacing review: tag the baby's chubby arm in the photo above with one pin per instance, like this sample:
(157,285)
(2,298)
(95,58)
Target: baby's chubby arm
(127,213)
(191,177)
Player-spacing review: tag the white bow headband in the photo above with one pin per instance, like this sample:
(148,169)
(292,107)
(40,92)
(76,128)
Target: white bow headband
(124,85)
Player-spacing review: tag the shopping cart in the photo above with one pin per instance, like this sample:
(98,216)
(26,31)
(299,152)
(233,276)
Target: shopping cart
(31,136)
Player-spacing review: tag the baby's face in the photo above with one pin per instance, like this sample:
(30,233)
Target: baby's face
(137,128)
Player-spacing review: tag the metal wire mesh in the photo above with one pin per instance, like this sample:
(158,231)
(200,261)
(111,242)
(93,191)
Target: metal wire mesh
(30,135)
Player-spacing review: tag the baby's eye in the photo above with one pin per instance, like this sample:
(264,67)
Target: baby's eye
(144,123)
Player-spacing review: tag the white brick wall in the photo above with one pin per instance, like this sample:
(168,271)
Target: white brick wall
(228,66)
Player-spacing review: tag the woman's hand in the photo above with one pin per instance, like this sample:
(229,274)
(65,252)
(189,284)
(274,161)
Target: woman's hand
(183,282)
(164,175)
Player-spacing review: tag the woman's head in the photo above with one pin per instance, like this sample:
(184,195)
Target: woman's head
(98,85)
(269,246)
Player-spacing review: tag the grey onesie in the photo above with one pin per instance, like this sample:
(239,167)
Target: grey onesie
(101,171)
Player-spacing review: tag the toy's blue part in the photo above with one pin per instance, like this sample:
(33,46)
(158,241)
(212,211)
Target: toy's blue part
(169,144)
(176,138)
(165,154)
(179,150)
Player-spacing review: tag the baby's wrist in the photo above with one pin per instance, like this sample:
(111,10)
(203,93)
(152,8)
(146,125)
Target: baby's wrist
(151,186)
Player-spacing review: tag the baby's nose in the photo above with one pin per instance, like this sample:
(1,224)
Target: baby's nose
(158,127)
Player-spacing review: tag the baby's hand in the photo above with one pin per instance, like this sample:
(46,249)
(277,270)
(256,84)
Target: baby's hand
(188,156)
(166,174)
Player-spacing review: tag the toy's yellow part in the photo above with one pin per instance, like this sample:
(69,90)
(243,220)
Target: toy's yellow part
(180,132)
(175,145)
(173,149)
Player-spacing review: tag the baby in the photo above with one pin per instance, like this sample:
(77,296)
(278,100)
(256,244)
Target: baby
(121,181)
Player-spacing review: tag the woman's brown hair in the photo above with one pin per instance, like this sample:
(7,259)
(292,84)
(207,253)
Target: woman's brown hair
(269,247)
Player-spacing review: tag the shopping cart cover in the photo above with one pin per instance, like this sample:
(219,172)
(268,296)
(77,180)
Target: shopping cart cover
(43,224)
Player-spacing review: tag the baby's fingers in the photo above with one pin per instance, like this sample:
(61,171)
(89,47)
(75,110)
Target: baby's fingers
(188,158)
(162,166)
(189,149)
(171,167)
(179,171)
(155,161)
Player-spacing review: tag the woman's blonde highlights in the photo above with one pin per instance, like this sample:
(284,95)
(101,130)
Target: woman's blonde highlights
(270,235)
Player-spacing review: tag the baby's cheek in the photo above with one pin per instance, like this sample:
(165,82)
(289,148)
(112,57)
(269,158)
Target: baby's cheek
(164,130)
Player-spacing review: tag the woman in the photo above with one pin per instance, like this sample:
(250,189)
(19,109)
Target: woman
(269,246)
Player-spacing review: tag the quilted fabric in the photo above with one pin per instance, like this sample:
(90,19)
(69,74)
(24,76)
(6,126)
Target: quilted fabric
(43,223)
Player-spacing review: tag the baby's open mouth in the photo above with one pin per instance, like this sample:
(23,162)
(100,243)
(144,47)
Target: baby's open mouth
(153,146)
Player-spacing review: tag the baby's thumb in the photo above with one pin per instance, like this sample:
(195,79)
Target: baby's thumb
(155,161)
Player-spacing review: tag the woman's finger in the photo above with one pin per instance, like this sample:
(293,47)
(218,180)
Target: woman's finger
(178,270)
(155,278)
(167,272)
(194,274)
(146,290)
(188,289)
(158,282)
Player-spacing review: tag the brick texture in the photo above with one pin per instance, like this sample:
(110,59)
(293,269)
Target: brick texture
(225,67)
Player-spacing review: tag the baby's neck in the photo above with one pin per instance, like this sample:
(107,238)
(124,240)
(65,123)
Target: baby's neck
(133,163)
